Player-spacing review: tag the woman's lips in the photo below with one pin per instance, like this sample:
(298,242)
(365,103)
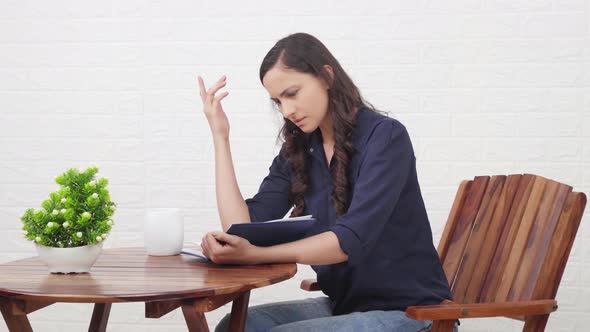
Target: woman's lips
(298,122)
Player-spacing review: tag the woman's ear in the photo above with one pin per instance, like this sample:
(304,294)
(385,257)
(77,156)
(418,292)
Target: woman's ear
(328,69)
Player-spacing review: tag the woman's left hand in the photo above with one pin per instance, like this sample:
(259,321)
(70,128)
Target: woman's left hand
(223,248)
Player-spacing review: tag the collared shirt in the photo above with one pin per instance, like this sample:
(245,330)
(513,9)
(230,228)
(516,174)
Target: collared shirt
(392,262)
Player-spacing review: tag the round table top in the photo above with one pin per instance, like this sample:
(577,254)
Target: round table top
(129,274)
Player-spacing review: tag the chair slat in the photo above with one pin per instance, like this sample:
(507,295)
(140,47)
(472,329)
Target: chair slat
(539,239)
(462,229)
(560,247)
(504,245)
(516,250)
(445,240)
(470,259)
(491,237)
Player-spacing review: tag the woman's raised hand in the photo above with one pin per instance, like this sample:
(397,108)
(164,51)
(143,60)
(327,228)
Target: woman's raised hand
(216,117)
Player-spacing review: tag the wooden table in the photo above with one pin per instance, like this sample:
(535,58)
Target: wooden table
(130,275)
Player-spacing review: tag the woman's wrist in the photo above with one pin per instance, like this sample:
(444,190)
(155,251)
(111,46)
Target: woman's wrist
(220,139)
(258,255)
(273,255)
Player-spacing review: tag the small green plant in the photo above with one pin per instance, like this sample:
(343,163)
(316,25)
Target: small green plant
(77,214)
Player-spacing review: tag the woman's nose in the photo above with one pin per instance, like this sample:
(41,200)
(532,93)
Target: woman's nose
(288,111)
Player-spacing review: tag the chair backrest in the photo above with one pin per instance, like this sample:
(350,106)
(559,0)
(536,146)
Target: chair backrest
(508,237)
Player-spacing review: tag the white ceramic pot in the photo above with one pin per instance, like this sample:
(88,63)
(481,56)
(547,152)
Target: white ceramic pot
(69,260)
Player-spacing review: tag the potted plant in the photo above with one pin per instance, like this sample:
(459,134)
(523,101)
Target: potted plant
(69,229)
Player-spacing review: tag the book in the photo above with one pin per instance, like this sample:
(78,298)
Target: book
(195,253)
(273,232)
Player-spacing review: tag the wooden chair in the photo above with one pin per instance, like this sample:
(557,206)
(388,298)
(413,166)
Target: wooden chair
(504,249)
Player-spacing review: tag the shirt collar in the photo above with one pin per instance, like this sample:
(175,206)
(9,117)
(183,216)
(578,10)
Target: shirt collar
(362,126)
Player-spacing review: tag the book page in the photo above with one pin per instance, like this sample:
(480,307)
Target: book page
(198,253)
(290,219)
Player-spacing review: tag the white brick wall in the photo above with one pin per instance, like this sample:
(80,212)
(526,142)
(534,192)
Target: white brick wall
(484,86)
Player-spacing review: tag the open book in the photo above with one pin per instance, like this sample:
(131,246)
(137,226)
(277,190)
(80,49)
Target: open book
(194,250)
(273,232)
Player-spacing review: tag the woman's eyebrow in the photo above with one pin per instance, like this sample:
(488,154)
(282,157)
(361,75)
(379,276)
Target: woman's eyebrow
(284,92)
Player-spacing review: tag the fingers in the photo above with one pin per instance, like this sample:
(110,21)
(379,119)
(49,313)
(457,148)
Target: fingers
(202,90)
(216,251)
(214,246)
(208,250)
(218,85)
(220,82)
(205,247)
(227,238)
(210,94)
(221,96)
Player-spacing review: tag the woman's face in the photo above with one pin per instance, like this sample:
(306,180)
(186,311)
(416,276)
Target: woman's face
(302,98)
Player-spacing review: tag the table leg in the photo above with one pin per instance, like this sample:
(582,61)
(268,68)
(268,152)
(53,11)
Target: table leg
(100,317)
(195,320)
(239,310)
(14,322)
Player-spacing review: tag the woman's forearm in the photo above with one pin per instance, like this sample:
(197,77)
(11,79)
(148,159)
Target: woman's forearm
(320,249)
(230,202)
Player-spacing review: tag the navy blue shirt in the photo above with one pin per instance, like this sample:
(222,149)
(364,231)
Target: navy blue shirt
(392,262)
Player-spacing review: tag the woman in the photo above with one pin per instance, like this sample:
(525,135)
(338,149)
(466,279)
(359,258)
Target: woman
(354,170)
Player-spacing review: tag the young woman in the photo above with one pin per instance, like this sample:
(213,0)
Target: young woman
(354,170)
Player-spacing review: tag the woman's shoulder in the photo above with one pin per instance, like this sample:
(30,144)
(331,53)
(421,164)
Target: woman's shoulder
(372,124)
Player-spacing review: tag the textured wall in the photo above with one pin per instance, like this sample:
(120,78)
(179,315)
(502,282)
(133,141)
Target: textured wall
(483,86)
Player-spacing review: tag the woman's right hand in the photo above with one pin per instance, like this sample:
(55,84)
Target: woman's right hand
(216,117)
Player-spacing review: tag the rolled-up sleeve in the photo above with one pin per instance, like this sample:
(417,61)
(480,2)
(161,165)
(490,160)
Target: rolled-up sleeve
(384,170)
(271,200)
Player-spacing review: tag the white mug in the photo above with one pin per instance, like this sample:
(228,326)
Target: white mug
(163,231)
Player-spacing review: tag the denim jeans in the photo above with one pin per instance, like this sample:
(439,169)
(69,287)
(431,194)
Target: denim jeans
(314,314)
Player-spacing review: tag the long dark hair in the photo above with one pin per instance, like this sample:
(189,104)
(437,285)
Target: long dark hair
(305,53)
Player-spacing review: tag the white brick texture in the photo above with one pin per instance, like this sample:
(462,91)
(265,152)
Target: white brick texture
(484,87)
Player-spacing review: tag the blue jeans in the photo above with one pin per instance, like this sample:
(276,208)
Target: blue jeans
(315,314)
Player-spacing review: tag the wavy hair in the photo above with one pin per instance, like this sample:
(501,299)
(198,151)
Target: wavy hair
(305,53)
